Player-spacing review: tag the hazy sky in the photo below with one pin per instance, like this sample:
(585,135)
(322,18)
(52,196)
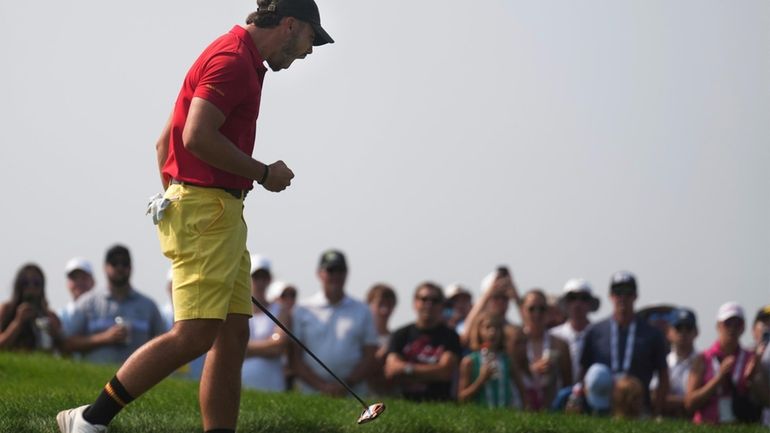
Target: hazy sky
(435,140)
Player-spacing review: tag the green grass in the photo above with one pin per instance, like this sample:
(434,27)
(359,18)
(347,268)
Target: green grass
(33,388)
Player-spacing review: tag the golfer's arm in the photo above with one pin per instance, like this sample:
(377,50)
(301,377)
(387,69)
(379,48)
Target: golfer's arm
(362,369)
(161,148)
(202,138)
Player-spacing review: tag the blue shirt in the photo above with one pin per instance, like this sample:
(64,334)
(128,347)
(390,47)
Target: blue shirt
(96,312)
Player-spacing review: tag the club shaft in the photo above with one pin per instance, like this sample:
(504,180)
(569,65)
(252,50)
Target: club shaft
(296,340)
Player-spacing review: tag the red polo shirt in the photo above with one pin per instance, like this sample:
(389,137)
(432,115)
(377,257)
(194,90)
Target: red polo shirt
(228,74)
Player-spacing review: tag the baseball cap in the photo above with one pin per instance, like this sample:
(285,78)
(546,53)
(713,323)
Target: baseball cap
(455,289)
(579,285)
(276,289)
(598,386)
(763,314)
(115,252)
(333,259)
(305,10)
(683,316)
(259,263)
(729,310)
(78,264)
(623,280)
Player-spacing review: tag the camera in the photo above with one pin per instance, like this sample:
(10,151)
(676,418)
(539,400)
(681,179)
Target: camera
(502,271)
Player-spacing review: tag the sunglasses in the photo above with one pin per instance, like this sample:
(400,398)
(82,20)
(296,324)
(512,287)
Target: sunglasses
(537,309)
(585,297)
(426,299)
(684,327)
(34,282)
(623,291)
(119,263)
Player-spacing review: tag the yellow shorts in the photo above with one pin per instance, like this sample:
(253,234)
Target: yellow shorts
(204,235)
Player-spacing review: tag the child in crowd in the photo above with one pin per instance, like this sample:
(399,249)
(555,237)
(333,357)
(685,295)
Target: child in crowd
(487,376)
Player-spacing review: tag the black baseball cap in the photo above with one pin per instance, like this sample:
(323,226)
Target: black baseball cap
(333,259)
(683,316)
(117,252)
(305,10)
(623,281)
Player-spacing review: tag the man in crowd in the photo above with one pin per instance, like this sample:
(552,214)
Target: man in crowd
(628,345)
(336,328)
(107,326)
(80,279)
(423,356)
(263,366)
(578,300)
(459,302)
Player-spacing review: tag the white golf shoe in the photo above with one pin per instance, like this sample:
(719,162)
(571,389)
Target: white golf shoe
(71,421)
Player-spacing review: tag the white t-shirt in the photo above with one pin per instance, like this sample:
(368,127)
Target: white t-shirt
(265,374)
(575,339)
(336,334)
(678,371)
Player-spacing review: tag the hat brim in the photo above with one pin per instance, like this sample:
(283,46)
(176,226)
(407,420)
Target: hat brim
(321,37)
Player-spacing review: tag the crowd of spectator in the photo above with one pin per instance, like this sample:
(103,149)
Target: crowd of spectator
(632,364)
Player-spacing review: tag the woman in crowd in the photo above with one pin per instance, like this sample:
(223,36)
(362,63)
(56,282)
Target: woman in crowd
(381,299)
(26,322)
(487,375)
(543,358)
(719,381)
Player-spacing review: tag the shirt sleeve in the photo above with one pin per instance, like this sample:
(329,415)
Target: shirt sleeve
(370,333)
(586,357)
(222,81)
(76,323)
(453,343)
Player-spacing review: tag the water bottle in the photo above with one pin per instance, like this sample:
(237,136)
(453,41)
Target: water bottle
(125,323)
(44,341)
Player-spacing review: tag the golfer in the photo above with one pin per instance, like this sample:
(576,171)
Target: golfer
(206,170)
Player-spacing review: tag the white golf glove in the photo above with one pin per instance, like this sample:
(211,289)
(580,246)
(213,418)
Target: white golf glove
(156,206)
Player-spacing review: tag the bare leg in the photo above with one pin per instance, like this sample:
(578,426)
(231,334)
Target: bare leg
(220,388)
(161,356)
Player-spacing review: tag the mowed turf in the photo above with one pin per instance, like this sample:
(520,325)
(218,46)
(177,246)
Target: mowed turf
(33,388)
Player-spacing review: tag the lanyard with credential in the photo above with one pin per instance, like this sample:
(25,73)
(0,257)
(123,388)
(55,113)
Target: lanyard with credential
(614,347)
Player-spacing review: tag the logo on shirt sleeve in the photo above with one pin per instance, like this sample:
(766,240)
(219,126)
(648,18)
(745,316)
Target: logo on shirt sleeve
(221,93)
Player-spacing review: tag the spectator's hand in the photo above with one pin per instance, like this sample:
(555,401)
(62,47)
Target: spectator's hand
(117,334)
(279,177)
(25,313)
(541,366)
(485,372)
(727,366)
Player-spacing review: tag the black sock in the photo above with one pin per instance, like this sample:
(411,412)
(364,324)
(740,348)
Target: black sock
(113,398)
(220,430)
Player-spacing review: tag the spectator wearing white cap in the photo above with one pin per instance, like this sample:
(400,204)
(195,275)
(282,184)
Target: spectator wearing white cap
(263,366)
(626,343)
(719,381)
(498,290)
(80,279)
(283,293)
(458,304)
(577,300)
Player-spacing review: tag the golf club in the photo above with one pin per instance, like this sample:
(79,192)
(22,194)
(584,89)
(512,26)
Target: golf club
(370,411)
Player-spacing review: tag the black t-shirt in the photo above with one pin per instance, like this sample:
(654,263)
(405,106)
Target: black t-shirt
(425,346)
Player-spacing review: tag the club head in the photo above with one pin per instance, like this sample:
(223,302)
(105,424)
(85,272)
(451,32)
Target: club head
(371,412)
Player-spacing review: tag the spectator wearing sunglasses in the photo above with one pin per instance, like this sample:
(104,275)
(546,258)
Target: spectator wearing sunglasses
(681,333)
(543,358)
(26,322)
(107,326)
(577,300)
(626,343)
(423,356)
